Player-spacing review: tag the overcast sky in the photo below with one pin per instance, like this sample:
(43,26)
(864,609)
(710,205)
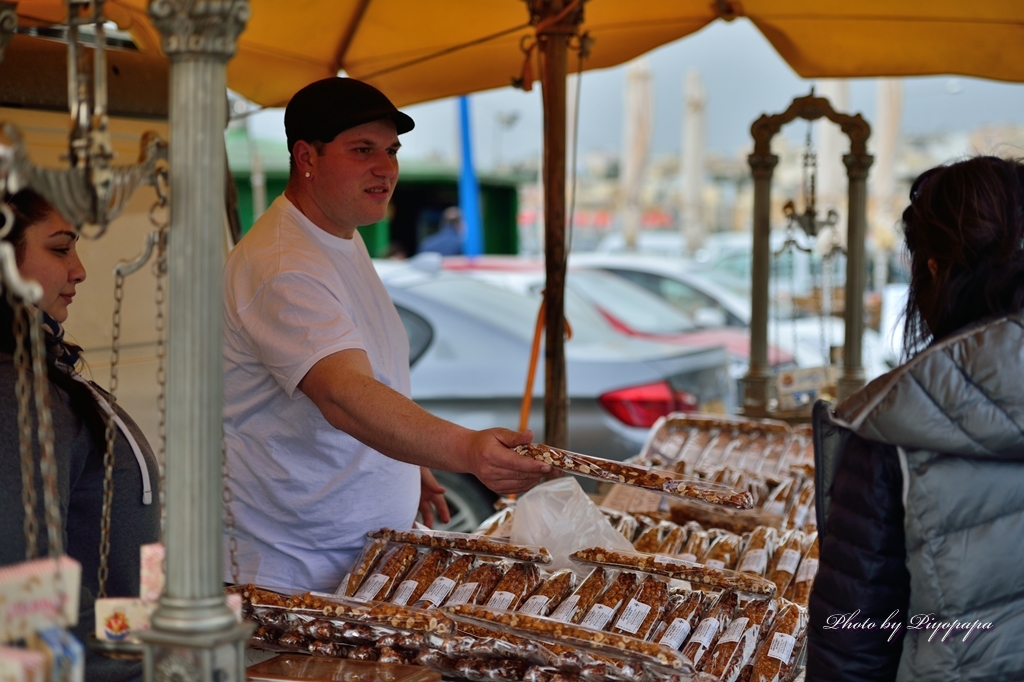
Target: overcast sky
(743,78)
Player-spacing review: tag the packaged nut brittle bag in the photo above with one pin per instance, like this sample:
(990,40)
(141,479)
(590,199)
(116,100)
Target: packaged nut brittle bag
(724,551)
(448,581)
(777,656)
(643,609)
(422,576)
(737,644)
(681,617)
(518,582)
(550,594)
(760,548)
(364,562)
(574,607)
(716,619)
(479,584)
(386,575)
(786,559)
(800,589)
(696,545)
(803,506)
(609,604)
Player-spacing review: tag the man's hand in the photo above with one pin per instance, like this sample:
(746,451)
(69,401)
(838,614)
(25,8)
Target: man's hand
(501,469)
(432,499)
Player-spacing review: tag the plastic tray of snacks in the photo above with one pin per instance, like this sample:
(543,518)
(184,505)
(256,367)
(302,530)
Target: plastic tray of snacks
(679,569)
(664,482)
(465,542)
(622,652)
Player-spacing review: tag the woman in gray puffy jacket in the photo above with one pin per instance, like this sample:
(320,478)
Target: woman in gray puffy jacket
(920,475)
(45,249)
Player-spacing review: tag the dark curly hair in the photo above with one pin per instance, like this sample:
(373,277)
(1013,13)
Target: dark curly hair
(29,208)
(965,221)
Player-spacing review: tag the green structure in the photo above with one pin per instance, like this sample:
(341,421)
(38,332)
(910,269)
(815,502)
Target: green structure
(424,192)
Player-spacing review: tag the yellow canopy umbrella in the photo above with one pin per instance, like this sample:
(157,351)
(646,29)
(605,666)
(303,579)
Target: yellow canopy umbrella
(419,50)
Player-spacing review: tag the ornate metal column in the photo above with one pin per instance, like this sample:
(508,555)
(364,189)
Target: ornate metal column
(857,165)
(759,373)
(194,635)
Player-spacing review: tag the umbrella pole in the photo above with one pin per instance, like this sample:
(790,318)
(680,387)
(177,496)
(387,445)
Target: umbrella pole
(194,635)
(553,34)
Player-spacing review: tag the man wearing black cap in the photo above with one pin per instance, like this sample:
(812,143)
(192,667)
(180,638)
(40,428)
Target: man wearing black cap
(323,442)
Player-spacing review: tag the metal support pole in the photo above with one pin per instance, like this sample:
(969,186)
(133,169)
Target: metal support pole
(194,635)
(759,373)
(852,379)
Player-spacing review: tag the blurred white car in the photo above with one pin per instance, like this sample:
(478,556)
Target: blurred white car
(807,339)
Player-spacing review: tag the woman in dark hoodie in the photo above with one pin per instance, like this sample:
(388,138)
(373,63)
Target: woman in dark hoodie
(920,475)
(45,250)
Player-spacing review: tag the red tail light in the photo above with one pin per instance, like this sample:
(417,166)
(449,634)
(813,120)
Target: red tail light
(642,405)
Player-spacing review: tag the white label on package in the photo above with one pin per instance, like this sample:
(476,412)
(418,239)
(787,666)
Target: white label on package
(692,558)
(755,561)
(438,590)
(500,600)
(808,569)
(676,633)
(534,606)
(371,586)
(598,617)
(800,516)
(567,609)
(782,647)
(734,631)
(714,563)
(789,560)
(404,591)
(777,507)
(633,616)
(462,595)
(705,632)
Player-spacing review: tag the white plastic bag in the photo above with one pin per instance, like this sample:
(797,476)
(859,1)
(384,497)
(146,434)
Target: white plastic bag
(559,515)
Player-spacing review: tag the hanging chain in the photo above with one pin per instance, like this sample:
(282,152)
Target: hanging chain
(825,310)
(109,436)
(229,516)
(23,395)
(160,273)
(774,303)
(44,430)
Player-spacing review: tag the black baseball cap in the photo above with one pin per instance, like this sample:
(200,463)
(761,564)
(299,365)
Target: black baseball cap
(324,108)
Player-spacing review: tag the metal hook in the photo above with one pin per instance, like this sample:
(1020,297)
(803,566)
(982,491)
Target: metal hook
(26,289)
(8,215)
(125,268)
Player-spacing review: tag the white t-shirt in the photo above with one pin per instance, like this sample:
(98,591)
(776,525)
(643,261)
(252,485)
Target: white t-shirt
(304,493)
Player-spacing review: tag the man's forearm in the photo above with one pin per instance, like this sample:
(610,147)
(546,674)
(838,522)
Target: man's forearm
(390,423)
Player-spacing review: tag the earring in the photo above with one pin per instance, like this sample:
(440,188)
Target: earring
(307,174)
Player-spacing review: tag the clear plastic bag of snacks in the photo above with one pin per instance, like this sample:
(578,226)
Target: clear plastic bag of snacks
(664,482)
